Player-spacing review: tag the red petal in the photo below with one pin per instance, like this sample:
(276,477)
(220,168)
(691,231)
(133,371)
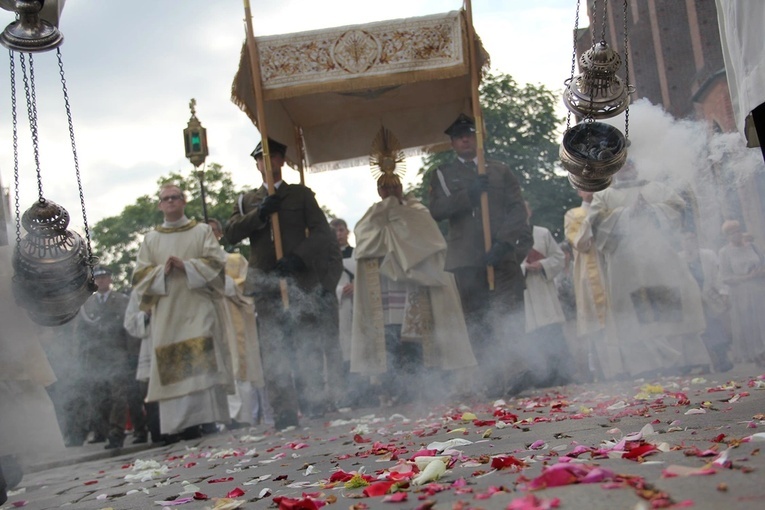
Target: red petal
(639,451)
(297,504)
(219,480)
(506,461)
(235,493)
(398,497)
(378,489)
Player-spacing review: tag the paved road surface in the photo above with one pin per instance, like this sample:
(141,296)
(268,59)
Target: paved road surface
(678,442)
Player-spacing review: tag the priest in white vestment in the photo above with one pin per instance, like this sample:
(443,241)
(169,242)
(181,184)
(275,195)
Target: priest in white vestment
(179,277)
(655,315)
(401,287)
(588,286)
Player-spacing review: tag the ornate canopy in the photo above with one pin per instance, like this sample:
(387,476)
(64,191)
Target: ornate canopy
(340,85)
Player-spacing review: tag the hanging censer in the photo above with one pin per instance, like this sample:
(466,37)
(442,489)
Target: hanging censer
(53,266)
(593,151)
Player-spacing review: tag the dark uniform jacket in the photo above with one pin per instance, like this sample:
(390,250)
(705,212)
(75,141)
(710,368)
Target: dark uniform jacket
(103,341)
(304,230)
(449,200)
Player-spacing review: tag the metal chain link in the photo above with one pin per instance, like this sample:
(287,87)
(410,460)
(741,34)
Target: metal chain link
(29,92)
(603,22)
(593,17)
(76,161)
(573,60)
(15,150)
(626,75)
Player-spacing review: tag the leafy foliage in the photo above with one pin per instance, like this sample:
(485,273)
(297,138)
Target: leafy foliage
(116,239)
(521,131)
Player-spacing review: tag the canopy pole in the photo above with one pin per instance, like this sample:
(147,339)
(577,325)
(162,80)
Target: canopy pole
(476,105)
(301,153)
(257,85)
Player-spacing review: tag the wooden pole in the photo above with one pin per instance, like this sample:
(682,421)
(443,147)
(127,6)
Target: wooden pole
(301,153)
(476,105)
(257,85)
(203,195)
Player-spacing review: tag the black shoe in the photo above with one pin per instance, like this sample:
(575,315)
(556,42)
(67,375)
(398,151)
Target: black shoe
(189,433)
(725,366)
(114,443)
(98,438)
(517,386)
(3,487)
(287,419)
(141,438)
(208,428)
(168,439)
(11,471)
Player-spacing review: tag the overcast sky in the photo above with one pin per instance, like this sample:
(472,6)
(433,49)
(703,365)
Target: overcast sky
(132,67)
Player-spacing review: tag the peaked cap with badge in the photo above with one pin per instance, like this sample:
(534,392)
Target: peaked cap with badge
(273,146)
(464,124)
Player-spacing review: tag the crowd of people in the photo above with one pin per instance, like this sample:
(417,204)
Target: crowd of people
(309,324)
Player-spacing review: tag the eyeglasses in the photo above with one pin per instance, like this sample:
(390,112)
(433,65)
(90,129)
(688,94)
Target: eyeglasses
(168,198)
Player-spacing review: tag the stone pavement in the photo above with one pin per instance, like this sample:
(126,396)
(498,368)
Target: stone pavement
(672,442)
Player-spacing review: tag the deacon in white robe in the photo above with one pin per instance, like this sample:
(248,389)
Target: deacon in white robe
(243,341)
(179,277)
(655,315)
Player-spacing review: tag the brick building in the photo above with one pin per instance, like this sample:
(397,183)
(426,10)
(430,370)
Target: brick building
(676,61)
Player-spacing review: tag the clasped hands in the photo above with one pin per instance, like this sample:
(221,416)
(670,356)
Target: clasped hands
(174,262)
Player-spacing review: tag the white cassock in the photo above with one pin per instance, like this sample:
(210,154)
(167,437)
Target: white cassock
(540,299)
(345,306)
(138,324)
(190,360)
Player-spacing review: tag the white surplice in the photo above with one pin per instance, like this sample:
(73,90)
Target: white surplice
(190,359)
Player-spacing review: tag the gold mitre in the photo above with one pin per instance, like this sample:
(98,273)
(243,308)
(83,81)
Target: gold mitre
(386,159)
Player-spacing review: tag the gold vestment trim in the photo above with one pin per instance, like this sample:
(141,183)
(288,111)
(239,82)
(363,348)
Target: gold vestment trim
(185,359)
(183,228)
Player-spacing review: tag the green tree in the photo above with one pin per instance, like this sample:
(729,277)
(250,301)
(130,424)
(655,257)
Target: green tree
(116,239)
(521,131)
